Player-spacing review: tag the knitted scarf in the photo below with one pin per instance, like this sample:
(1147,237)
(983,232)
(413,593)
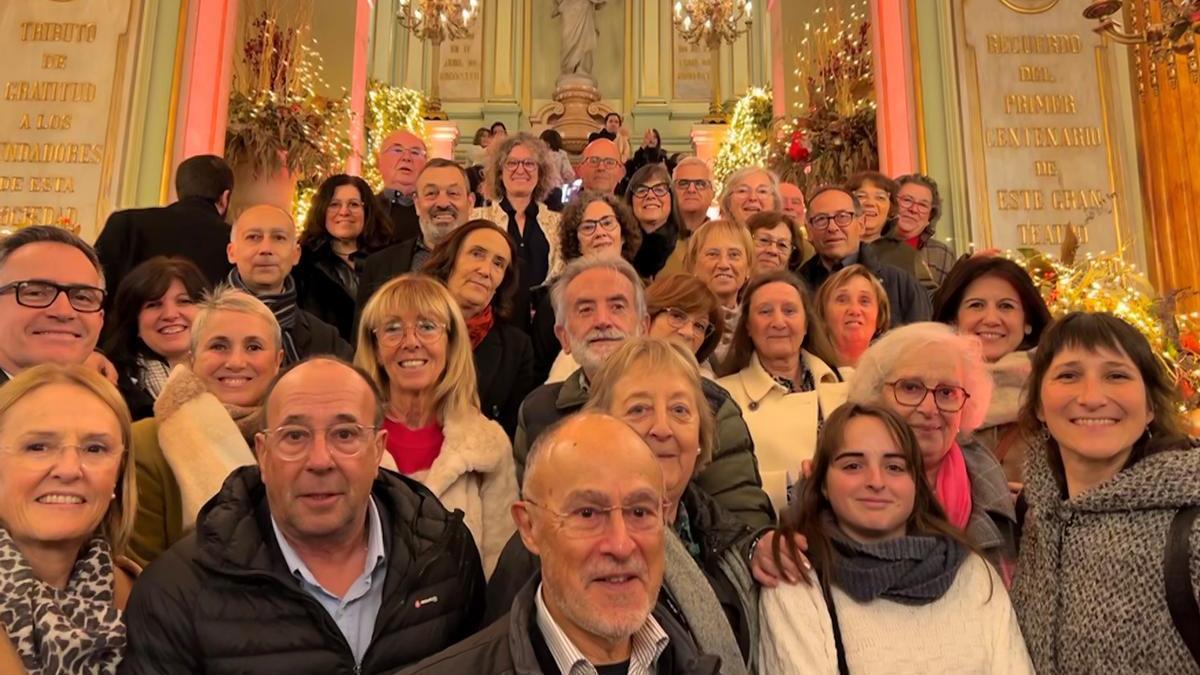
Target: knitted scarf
(954,487)
(282,305)
(479,326)
(910,570)
(75,630)
(699,605)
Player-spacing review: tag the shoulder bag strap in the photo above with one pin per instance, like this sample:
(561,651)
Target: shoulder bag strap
(1181,594)
(843,668)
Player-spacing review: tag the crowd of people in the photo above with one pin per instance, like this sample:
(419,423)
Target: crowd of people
(476,423)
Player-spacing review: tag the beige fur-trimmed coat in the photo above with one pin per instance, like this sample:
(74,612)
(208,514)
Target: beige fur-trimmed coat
(475,473)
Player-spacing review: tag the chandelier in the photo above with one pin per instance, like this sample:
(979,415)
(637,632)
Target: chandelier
(1175,33)
(712,23)
(437,21)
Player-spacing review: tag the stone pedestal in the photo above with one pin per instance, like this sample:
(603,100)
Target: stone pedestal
(706,139)
(576,111)
(441,136)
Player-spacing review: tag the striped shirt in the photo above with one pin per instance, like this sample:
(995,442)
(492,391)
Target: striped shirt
(648,644)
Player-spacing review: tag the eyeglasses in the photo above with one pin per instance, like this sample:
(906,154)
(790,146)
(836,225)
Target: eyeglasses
(821,221)
(45,454)
(606,162)
(586,522)
(42,294)
(528,165)
(588,227)
(353,205)
(781,245)
(660,190)
(697,184)
(913,205)
(912,393)
(392,333)
(291,442)
(400,151)
(677,319)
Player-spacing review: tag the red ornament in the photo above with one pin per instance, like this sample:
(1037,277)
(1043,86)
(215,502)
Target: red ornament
(797,150)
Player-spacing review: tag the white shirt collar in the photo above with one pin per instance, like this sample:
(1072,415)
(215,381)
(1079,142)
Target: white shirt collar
(648,644)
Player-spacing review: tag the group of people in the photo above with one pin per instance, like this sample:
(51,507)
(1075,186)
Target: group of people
(653,429)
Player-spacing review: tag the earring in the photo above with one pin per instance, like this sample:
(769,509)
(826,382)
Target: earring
(1028,329)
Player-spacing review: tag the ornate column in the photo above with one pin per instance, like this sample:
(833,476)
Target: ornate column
(208,72)
(893,90)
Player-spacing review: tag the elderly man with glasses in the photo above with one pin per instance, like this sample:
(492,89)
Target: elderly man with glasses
(601,168)
(315,560)
(835,226)
(401,158)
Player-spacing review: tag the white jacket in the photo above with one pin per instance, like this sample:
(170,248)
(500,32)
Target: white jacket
(782,425)
(547,220)
(475,473)
(970,629)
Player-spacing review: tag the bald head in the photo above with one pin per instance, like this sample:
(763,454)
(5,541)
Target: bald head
(585,447)
(601,168)
(401,157)
(793,201)
(262,245)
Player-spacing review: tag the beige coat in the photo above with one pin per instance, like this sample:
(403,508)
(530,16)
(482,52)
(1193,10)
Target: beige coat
(782,425)
(547,220)
(474,473)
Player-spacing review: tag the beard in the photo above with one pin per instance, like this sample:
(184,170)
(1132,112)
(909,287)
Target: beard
(610,622)
(434,232)
(589,356)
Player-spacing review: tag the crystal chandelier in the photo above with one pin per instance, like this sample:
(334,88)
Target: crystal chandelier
(1175,33)
(712,23)
(437,21)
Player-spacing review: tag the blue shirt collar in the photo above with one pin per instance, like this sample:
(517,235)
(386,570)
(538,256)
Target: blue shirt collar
(375,550)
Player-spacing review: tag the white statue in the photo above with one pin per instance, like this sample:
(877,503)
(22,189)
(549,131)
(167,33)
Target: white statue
(578,34)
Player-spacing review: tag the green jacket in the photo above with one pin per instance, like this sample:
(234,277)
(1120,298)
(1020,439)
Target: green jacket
(732,478)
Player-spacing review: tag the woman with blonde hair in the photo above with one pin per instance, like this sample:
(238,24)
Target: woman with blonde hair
(414,342)
(68,495)
(720,254)
(854,310)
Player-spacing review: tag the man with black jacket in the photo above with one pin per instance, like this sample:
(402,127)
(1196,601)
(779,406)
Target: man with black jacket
(402,156)
(316,560)
(193,227)
(835,227)
(593,607)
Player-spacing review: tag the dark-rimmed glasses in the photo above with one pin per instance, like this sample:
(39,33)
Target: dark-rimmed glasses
(588,227)
(912,393)
(821,221)
(42,294)
(660,190)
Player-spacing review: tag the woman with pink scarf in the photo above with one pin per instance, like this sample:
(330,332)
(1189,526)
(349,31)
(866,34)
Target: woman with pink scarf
(938,382)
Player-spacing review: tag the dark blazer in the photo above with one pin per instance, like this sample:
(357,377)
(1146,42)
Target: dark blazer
(313,336)
(381,266)
(405,224)
(504,371)
(190,228)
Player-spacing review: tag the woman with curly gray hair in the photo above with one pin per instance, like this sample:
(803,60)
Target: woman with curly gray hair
(518,176)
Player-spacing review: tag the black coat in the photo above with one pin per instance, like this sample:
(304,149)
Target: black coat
(405,224)
(222,600)
(514,645)
(320,292)
(545,342)
(504,371)
(909,302)
(313,336)
(381,266)
(190,228)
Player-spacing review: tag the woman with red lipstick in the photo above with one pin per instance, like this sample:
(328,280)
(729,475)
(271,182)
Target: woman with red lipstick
(853,307)
(994,300)
(895,587)
(936,381)
(1110,553)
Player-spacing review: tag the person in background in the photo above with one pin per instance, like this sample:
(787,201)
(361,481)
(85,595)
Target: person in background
(919,209)
(564,172)
(499,133)
(263,250)
(681,308)
(563,619)
(343,227)
(329,564)
(402,156)
(652,201)
(651,152)
(600,168)
(1112,497)
(693,185)
(205,418)
(877,195)
(853,308)
(151,328)
(994,300)
(748,191)
(774,236)
(68,494)
(476,265)
(51,299)
(894,586)
(193,227)
(610,130)
(936,381)
(795,208)
(414,343)
(720,254)
(778,370)
(477,153)
(835,223)
(443,202)
(594,224)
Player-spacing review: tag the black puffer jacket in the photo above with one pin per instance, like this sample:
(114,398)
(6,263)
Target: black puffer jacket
(222,599)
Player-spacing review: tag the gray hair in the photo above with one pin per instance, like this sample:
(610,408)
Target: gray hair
(921,343)
(690,160)
(225,298)
(494,172)
(558,292)
(733,180)
(48,234)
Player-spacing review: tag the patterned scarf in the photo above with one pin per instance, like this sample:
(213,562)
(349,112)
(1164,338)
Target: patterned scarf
(75,630)
(282,305)
(479,326)
(910,570)
(152,375)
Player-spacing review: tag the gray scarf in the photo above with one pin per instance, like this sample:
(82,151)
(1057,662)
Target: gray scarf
(700,606)
(282,305)
(911,570)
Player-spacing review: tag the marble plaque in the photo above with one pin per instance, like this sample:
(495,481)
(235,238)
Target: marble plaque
(693,70)
(461,72)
